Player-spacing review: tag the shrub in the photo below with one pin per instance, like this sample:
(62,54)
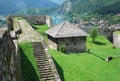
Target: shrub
(62,49)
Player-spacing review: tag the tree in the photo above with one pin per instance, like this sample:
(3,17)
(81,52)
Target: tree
(94,33)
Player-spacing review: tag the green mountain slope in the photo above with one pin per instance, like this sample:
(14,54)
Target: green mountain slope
(108,9)
(86,6)
(77,8)
(13,6)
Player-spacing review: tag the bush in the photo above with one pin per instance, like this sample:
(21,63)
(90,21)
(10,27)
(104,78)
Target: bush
(62,49)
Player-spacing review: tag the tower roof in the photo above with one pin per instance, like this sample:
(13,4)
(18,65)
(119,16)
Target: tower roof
(65,29)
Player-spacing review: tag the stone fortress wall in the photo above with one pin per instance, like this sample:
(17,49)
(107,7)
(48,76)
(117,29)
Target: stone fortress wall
(10,69)
(9,58)
(39,20)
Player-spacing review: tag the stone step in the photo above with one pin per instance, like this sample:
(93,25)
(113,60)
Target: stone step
(44,71)
(47,73)
(40,55)
(41,59)
(47,76)
(44,66)
(42,62)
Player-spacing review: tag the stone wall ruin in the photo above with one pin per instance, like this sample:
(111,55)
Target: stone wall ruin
(40,20)
(116,40)
(9,58)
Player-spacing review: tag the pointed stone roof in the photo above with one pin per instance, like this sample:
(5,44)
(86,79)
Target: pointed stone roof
(65,29)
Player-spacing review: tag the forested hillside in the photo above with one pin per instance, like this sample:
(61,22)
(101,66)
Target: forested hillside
(108,9)
(73,9)
(13,6)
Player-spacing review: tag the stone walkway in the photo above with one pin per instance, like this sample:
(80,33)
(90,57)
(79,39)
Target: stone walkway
(48,72)
(28,33)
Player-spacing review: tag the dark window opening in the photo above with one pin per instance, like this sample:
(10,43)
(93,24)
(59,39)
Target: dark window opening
(72,40)
(67,44)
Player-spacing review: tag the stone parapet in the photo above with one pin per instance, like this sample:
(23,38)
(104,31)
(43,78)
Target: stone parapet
(116,40)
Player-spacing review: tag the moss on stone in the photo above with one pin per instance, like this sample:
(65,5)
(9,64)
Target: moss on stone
(117,32)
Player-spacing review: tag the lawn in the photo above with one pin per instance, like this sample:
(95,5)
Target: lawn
(102,47)
(88,66)
(28,63)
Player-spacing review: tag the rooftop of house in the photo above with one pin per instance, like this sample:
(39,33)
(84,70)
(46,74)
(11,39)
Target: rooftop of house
(65,29)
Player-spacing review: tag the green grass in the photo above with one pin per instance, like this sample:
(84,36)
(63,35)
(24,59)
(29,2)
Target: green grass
(117,32)
(19,18)
(28,63)
(41,29)
(88,66)
(102,48)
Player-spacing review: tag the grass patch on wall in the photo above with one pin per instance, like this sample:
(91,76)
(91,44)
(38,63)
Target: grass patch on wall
(28,63)
(19,18)
(41,29)
(117,32)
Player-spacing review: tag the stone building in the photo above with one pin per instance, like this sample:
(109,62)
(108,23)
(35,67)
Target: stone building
(69,35)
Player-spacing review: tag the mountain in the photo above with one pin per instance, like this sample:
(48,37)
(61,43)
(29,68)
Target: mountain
(84,6)
(108,9)
(58,1)
(12,6)
(78,8)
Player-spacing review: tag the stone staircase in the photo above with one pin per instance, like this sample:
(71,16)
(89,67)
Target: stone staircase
(43,63)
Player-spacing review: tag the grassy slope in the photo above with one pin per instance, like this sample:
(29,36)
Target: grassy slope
(86,67)
(103,48)
(89,66)
(28,63)
(41,29)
